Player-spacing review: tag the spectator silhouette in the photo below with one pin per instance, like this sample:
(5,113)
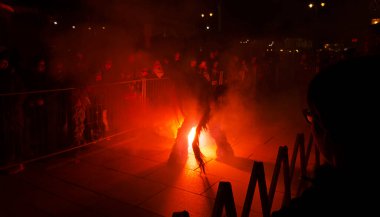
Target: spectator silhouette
(342,111)
(11,114)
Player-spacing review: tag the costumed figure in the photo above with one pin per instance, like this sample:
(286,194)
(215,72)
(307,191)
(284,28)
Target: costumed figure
(197,99)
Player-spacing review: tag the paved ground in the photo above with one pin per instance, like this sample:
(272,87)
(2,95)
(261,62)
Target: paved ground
(129,175)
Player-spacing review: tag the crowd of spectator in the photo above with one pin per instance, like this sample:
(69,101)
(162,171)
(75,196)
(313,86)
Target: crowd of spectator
(34,89)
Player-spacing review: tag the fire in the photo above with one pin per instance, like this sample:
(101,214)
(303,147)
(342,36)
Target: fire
(206,143)
(190,137)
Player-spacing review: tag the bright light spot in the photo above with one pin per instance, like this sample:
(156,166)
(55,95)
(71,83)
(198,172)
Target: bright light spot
(202,15)
(311,5)
(73,27)
(207,27)
(190,136)
(103,27)
(375,21)
(206,143)
(323,4)
(297,50)
(89,28)
(281,50)
(211,14)
(55,23)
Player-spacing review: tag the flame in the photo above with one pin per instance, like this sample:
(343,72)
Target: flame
(190,138)
(206,143)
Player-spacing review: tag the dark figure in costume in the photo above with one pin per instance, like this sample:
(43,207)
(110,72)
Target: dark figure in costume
(197,99)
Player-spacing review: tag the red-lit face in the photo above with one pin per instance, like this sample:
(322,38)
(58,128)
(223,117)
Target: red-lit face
(41,67)
(108,65)
(3,64)
(193,63)
(216,64)
(177,56)
(203,65)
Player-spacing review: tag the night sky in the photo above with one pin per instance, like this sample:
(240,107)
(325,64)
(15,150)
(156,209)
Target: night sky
(253,17)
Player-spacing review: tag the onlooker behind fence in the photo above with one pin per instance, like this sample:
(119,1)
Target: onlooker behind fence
(342,112)
(36,105)
(11,115)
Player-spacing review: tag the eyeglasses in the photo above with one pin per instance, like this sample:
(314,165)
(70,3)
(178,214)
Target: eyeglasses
(308,115)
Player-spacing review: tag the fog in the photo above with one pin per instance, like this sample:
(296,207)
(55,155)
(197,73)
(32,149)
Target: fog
(93,94)
(281,44)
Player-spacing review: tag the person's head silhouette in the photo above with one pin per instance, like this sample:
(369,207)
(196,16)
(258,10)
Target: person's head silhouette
(342,102)
(342,112)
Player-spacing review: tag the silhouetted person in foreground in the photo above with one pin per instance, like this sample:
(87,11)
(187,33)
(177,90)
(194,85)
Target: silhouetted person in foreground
(343,116)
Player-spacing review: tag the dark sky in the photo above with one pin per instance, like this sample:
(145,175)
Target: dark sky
(285,17)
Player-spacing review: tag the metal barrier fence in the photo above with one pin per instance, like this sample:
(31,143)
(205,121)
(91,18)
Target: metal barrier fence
(38,124)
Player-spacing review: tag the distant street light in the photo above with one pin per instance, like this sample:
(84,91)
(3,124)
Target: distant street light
(202,15)
(315,4)
(375,21)
(316,7)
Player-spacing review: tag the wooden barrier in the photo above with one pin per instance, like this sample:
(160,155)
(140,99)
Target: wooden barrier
(308,151)
(282,157)
(304,156)
(299,144)
(224,198)
(258,175)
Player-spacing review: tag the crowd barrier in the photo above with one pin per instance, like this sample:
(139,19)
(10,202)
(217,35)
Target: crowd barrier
(40,124)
